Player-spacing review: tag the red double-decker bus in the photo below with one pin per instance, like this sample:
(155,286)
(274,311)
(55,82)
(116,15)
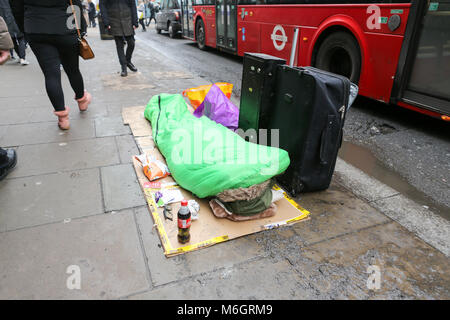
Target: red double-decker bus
(397,51)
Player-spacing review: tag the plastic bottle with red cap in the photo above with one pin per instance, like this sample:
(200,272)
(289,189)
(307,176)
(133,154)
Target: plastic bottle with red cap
(184,223)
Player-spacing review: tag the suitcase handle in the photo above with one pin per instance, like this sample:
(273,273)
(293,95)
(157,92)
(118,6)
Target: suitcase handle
(325,140)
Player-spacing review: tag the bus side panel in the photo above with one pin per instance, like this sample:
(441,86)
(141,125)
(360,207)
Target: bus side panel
(273,42)
(383,60)
(379,55)
(207,14)
(210,16)
(248,37)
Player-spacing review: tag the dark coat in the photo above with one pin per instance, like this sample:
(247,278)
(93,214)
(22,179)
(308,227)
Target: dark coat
(120,15)
(7,15)
(92,11)
(46,16)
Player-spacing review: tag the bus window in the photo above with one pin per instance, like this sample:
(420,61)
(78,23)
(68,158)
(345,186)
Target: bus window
(431,70)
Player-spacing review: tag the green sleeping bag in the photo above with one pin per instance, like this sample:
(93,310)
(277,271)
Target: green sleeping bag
(205,157)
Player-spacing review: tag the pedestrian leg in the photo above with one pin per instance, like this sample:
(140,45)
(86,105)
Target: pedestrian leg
(141,22)
(130,47)
(129,54)
(49,61)
(121,55)
(69,54)
(19,47)
(120,50)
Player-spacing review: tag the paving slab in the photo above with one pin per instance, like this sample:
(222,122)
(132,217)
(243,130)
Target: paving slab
(65,156)
(419,219)
(26,101)
(335,211)
(46,132)
(49,198)
(165,270)
(15,115)
(105,248)
(134,81)
(127,148)
(430,227)
(120,187)
(134,97)
(257,280)
(3,131)
(408,267)
(110,126)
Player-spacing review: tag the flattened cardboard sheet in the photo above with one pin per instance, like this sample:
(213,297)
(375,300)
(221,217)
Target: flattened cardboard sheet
(207,230)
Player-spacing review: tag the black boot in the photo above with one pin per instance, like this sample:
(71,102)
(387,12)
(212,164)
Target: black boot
(9,164)
(132,67)
(124,72)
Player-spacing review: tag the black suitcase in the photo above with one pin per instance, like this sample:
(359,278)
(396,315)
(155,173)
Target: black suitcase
(257,91)
(309,111)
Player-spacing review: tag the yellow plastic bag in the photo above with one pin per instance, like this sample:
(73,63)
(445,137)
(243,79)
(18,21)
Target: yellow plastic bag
(198,94)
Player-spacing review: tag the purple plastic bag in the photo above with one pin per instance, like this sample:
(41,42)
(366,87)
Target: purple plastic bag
(219,108)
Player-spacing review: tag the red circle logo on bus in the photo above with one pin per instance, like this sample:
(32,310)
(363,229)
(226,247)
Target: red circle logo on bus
(277,37)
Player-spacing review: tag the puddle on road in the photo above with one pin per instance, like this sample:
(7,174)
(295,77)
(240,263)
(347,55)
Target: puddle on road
(363,159)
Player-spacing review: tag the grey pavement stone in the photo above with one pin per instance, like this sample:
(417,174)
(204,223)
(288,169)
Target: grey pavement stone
(133,98)
(121,188)
(430,227)
(335,212)
(115,108)
(48,198)
(261,279)
(45,113)
(110,126)
(35,261)
(127,148)
(15,115)
(47,132)
(7,102)
(2,131)
(409,268)
(164,270)
(65,156)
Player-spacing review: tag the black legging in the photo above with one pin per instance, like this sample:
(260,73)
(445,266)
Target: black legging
(141,21)
(152,17)
(51,51)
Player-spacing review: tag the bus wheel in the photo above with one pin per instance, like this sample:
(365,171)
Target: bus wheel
(200,35)
(339,53)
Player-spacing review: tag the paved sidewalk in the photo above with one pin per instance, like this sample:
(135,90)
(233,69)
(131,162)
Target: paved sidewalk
(73,200)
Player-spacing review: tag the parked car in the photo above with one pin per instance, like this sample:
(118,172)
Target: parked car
(168,18)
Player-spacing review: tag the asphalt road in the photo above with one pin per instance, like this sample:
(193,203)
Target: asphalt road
(406,150)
